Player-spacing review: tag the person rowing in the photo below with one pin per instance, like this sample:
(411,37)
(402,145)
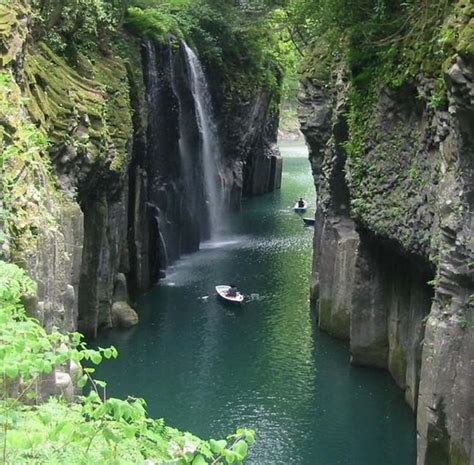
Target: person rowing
(233,291)
(301,203)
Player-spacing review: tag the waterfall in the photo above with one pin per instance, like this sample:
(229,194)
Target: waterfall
(189,172)
(210,146)
(183,150)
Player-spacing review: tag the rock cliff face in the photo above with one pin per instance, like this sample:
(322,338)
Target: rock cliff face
(250,130)
(248,120)
(113,122)
(393,245)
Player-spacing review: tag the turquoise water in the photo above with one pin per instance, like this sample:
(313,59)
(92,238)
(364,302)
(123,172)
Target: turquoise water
(209,369)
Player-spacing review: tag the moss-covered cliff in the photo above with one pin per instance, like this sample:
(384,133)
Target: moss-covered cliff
(79,161)
(387,111)
(68,148)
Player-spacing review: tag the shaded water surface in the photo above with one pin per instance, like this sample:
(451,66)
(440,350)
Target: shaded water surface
(209,369)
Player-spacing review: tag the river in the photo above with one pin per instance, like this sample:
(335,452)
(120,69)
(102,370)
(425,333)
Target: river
(209,369)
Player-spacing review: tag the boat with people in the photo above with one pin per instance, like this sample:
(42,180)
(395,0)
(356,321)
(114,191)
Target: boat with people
(224,292)
(300,206)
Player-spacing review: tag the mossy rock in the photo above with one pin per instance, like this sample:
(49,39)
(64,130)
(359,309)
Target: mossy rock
(465,45)
(13,30)
(88,107)
(334,320)
(458,456)
(80,116)
(29,196)
(398,365)
(319,62)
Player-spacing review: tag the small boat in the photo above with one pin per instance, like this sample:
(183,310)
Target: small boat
(309,221)
(222,293)
(299,209)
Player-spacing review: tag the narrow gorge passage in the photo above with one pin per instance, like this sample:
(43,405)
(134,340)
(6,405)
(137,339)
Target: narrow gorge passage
(209,369)
(140,168)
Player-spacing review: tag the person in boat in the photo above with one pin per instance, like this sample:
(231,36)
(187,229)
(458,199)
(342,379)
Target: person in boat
(232,292)
(301,203)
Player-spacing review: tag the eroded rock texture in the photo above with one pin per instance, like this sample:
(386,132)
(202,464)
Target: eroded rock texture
(394,247)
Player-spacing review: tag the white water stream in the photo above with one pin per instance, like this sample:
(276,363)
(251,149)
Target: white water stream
(210,146)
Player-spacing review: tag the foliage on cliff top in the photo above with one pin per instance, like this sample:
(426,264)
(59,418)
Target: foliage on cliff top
(71,26)
(222,30)
(381,42)
(384,40)
(94,429)
(236,41)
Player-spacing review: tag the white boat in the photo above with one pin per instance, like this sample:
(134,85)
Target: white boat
(299,209)
(222,292)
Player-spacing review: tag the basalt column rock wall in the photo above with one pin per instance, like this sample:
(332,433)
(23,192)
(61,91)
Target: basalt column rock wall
(248,123)
(81,107)
(166,188)
(262,161)
(393,245)
(93,141)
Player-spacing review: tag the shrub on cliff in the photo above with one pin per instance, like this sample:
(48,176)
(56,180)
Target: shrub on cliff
(236,43)
(94,428)
(71,25)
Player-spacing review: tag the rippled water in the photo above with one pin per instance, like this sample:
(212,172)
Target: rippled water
(209,369)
